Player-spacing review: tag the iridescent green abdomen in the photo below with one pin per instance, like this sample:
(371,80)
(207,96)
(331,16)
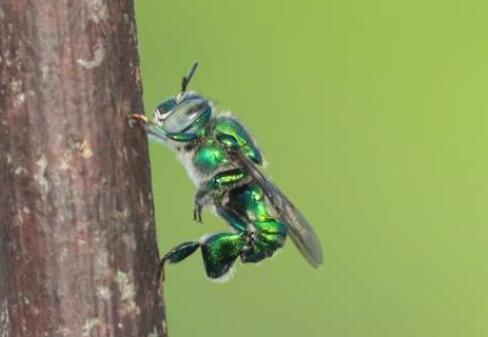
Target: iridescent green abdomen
(249,203)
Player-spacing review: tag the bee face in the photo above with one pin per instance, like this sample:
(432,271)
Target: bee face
(187,113)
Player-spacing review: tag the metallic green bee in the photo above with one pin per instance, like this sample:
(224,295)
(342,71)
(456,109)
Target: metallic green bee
(222,159)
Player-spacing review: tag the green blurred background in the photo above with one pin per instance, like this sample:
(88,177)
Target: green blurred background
(373,117)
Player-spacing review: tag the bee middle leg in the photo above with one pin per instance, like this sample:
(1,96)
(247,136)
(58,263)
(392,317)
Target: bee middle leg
(215,188)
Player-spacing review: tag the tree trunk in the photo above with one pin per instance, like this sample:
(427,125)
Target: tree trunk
(78,253)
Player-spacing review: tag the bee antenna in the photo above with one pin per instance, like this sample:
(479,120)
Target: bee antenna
(186,79)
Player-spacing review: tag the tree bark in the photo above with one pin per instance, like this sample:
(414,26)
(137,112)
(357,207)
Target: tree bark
(78,253)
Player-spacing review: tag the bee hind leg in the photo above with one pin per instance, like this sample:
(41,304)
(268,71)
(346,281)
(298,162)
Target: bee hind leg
(177,254)
(219,252)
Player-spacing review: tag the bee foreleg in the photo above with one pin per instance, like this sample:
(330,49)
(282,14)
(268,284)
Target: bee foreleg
(202,198)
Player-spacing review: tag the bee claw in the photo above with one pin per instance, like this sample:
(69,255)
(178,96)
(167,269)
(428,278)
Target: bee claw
(197,213)
(136,118)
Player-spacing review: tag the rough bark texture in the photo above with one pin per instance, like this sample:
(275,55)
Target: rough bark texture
(78,254)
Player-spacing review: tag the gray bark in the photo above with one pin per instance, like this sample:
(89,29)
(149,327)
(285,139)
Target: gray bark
(78,253)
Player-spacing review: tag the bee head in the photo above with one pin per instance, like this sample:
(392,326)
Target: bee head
(184,117)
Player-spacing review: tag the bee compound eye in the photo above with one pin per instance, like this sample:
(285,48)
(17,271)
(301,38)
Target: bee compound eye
(163,116)
(194,110)
(165,107)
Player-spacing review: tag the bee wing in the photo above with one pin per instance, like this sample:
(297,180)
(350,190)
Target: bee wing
(300,230)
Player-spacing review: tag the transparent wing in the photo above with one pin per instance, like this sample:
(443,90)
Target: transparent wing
(300,230)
